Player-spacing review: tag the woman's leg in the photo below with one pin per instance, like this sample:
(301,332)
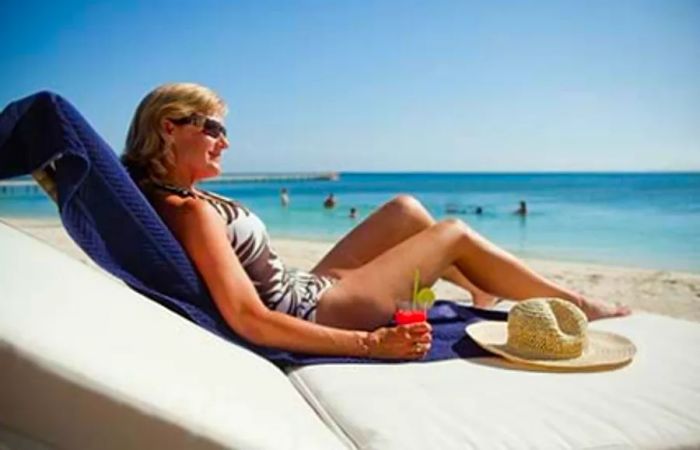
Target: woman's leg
(366,297)
(394,222)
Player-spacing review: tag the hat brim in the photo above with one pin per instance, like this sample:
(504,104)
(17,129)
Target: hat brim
(604,350)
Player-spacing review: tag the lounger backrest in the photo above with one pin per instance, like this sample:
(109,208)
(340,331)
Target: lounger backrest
(100,205)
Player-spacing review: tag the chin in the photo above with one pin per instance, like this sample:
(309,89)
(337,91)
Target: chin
(208,173)
(213,171)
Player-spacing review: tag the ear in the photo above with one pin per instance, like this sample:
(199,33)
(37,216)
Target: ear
(166,128)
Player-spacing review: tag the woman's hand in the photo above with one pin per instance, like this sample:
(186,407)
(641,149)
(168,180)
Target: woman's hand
(410,341)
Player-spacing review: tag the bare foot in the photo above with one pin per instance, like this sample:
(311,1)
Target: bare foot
(598,309)
(483,299)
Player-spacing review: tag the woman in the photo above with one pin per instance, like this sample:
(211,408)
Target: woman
(176,139)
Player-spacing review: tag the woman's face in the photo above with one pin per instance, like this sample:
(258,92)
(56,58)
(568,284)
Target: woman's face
(197,146)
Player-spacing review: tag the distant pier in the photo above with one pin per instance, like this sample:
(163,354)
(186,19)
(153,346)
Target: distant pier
(26,186)
(301,176)
(17,188)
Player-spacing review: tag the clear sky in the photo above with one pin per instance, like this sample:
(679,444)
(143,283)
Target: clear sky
(385,85)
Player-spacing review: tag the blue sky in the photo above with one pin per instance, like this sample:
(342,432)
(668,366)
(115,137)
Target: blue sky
(386,85)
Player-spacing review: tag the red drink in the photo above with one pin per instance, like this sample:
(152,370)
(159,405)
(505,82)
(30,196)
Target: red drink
(406,316)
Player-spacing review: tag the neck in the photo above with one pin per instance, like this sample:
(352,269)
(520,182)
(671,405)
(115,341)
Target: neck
(180,181)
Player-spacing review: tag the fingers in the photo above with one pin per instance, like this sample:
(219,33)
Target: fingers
(417,328)
(421,338)
(417,332)
(419,350)
(411,341)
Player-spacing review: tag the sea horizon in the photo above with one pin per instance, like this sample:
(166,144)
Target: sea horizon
(470,172)
(454,172)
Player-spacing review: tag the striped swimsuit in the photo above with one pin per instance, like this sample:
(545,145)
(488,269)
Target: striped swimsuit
(290,291)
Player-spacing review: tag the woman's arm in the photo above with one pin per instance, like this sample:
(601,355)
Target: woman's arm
(203,234)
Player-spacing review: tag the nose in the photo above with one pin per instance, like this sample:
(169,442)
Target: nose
(222,143)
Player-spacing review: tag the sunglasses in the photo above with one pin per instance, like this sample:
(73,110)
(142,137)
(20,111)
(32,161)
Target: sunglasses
(210,127)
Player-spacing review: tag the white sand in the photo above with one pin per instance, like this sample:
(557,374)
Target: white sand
(675,294)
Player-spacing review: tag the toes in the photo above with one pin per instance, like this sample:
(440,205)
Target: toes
(622,310)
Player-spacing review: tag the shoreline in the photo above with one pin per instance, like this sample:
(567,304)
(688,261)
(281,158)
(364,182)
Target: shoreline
(28,223)
(666,292)
(525,257)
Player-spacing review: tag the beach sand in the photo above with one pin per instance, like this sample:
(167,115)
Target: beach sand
(675,294)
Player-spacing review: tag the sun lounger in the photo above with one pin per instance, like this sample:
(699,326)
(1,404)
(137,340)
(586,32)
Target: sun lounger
(89,363)
(478,403)
(86,362)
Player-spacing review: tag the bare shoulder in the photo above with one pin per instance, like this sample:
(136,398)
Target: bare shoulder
(187,214)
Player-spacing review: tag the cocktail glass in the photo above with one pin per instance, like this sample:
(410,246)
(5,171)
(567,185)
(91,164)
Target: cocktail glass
(408,312)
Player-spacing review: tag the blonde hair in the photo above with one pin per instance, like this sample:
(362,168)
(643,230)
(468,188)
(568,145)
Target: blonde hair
(146,155)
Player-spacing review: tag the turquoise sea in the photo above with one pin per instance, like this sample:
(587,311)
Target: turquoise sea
(647,220)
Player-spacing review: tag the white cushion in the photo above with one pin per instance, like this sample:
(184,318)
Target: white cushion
(88,363)
(652,403)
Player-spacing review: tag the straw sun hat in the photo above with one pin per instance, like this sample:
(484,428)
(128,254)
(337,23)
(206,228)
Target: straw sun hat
(552,333)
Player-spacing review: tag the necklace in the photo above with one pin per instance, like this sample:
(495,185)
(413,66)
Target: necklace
(204,195)
(185,192)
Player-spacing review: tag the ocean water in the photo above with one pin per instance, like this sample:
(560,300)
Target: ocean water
(639,220)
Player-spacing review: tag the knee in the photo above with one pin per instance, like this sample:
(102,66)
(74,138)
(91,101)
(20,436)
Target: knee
(407,205)
(458,228)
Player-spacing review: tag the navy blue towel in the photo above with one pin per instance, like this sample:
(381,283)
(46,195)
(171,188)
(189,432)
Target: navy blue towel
(109,218)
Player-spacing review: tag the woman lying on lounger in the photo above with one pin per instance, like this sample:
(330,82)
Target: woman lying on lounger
(176,139)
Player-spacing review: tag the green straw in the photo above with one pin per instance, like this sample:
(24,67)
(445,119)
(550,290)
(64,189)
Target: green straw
(416,282)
